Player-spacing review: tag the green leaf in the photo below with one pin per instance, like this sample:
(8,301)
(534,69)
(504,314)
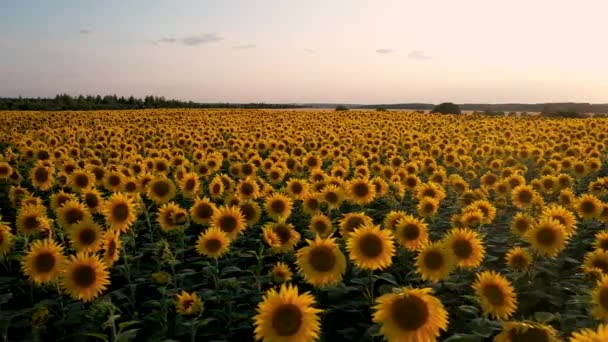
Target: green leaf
(544,317)
(95,335)
(469,309)
(463,338)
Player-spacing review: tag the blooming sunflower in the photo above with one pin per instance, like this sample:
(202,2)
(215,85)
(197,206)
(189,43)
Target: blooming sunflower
(562,215)
(352,221)
(202,210)
(278,207)
(251,212)
(41,176)
(321,263)
(321,225)
(466,246)
(213,243)
(86,236)
(287,315)
(597,259)
(119,212)
(111,247)
(526,331)
(6,240)
(230,220)
(280,273)
(333,196)
(518,259)
(411,232)
(311,204)
(188,304)
(590,335)
(360,191)
(72,212)
(370,247)
(189,185)
(521,223)
(247,189)
(427,207)
(43,261)
(496,294)
(297,188)
(92,200)
(523,196)
(280,236)
(410,315)
(435,262)
(599,299)
(548,237)
(32,219)
(81,180)
(601,240)
(431,190)
(161,190)
(216,187)
(84,277)
(391,219)
(171,216)
(588,206)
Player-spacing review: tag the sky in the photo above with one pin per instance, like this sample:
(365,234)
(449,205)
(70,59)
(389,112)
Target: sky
(291,51)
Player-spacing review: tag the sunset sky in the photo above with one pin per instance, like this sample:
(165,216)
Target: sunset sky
(343,51)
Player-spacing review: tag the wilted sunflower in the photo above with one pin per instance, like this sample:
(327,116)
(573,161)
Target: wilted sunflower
(202,210)
(597,259)
(548,237)
(213,243)
(111,247)
(352,221)
(189,185)
(84,277)
(588,206)
(518,259)
(601,240)
(280,273)
(287,316)
(526,331)
(435,262)
(360,191)
(230,220)
(496,294)
(251,212)
(43,261)
(72,212)
(410,315)
(161,190)
(590,335)
(427,207)
(6,240)
(371,248)
(119,212)
(171,216)
(188,303)
(32,219)
(466,246)
(411,232)
(86,236)
(278,207)
(321,263)
(280,236)
(321,225)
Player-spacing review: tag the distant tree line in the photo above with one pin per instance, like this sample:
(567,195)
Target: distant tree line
(502,107)
(98,102)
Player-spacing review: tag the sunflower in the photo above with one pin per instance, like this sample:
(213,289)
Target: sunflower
(472,218)
(321,263)
(5,170)
(435,262)
(6,240)
(251,212)
(230,220)
(590,335)
(391,219)
(427,207)
(189,185)
(601,240)
(41,177)
(171,216)
(202,210)
(321,225)
(278,207)
(297,188)
(84,277)
(496,294)
(43,261)
(216,187)
(119,212)
(548,237)
(247,189)
(588,206)
(523,196)
(518,259)
(32,219)
(562,215)
(431,190)
(280,273)
(16,194)
(287,315)
(81,180)
(370,247)
(599,299)
(411,232)
(521,223)
(92,200)
(410,315)
(111,247)
(213,243)
(311,204)
(597,259)
(280,236)
(333,196)
(466,246)
(161,190)
(113,181)
(72,212)
(86,236)
(360,191)
(526,331)
(188,304)
(486,208)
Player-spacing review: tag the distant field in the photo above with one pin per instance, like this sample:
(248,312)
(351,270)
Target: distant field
(180,224)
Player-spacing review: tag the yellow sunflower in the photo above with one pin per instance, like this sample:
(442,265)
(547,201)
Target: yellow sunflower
(297,189)
(548,237)
(410,315)
(521,223)
(86,236)
(72,212)
(247,189)
(111,247)
(230,220)
(518,259)
(391,219)
(41,176)
(6,240)
(202,210)
(287,316)
(435,262)
(43,261)
(597,259)
(526,331)
(321,263)
(119,212)
(371,248)
(466,246)
(189,185)
(161,190)
(311,204)
(360,191)
(278,207)
(601,240)
(188,304)
(352,221)
(92,200)
(251,212)
(32,219)
(590,335)
(280,236)
(213,243)
(321,225)
(81,180)
(523,196)
(333,196)
(599,299)
(588,206)
(427,207)
(84,277)
(496,294)
(280,273)
(171,216)
(411,232)
(562,215)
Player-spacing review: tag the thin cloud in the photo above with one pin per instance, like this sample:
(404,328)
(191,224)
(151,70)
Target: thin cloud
(200,39)
(85,31)
(167,40)
(385,51)
(310,50)
(418,55)
(245,46)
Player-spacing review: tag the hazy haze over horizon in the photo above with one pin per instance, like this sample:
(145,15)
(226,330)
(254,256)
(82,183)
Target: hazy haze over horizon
(314,51)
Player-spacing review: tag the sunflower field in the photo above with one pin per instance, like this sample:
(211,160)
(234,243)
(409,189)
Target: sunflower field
(283,225)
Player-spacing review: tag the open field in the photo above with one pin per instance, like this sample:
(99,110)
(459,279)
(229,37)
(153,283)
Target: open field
(195,224)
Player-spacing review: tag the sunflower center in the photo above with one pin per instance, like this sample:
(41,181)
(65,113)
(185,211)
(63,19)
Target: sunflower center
(519,262)
(587,207)
(604,244)
(130,187)
(322,259)
(428,207)
(31,222)
(227,223)
(283,232)
(114,180)
(361,190)
(213,245)
(84,276)
(87,236)
(410,313)
(370,245)
(601,264)
(44,262)
(216,188)
(312,204)
(120,212)
(277,206)
(546,236)
(247,189)
(462,248)
(73,215)
(204,211)
(296,188)
(433,260)
(524,196)
(161,188)
(522,225)
(187,303)
(287,320)
(493,294)
(428,193)
(530,335)
(331,197)
(603,298)
(41,175)
(354,223)
(320,227)
(82,181)
(248,211)
(411,232)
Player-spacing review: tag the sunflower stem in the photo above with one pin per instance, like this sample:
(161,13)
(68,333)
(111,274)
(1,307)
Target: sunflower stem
(370,279)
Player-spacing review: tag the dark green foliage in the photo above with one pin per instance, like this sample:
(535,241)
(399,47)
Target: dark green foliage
(446,108)
(341,108)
